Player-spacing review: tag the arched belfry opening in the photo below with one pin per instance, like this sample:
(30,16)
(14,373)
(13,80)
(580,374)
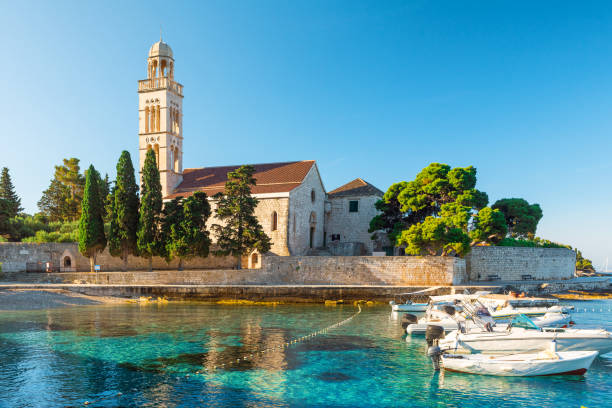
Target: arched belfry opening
(312,229)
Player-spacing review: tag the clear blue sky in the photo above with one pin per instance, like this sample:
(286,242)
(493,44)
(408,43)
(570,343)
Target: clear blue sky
(378,90)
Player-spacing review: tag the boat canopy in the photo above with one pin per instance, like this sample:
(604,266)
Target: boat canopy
(520,320)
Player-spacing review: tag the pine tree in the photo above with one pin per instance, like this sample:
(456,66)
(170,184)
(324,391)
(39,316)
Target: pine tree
(124,220)
(62,200)
(7,192)
(91,224)
(149,243)
(241,232)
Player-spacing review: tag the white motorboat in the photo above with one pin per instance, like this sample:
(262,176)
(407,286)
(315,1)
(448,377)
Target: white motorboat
(508,312)
(408,306)
(450,323)
(518,339)
(521,365)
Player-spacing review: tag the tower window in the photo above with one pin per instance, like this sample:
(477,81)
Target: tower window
(274,221)
(354,206)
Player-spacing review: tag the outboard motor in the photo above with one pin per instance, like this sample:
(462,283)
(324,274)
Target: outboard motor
(450,310)
(408,319)
(433,334)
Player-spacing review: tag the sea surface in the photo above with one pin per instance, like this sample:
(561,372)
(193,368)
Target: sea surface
(189,354)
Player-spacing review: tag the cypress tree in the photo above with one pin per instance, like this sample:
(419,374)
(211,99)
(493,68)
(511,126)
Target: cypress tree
(7,192)
(91,223)
(124,220)
(241,231)
(185,233)
(150,210)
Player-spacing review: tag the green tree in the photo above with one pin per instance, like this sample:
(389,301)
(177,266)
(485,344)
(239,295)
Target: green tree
(184,228)
(489,225)
(124,220)
(521,217)
(149,243)
(240,232)
(5,216)
(7,192)
(433,213)
(582,263)
(105,195)
(62,200)
(91,225)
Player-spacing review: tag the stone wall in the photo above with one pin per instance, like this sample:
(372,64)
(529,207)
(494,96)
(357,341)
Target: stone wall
(366,270)
(511,263)
(301,209)
(15,255)
(352,226)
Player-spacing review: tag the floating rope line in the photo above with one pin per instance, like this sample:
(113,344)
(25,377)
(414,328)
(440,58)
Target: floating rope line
(251,355)
(590,310)
(281,347)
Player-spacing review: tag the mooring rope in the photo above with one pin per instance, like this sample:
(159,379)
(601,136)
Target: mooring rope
(251,355)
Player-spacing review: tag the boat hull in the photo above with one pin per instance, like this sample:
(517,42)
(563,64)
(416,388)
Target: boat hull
(521,365)
(414,307)
(501,342)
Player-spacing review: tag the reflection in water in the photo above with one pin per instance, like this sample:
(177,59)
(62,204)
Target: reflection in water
(151,356)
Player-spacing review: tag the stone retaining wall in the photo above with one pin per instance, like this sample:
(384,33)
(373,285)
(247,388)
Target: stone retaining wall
(15,255)
(366,270)
(511,263)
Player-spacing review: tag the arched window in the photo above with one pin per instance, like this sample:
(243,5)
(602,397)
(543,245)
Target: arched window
(152,124)
(147,119)
(156,149)
(171,155)
(157,118)
(162,70)
(274,221)
(177,167)
(313,196)
(67,262)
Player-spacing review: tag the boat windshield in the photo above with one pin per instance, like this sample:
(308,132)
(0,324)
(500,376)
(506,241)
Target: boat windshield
(520,320)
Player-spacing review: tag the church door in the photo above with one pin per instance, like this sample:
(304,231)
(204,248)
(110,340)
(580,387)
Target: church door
(312,230)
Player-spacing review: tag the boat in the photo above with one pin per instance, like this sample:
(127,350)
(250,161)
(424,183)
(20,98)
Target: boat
(522,335)
(521,365)
(408,306)
(403,301)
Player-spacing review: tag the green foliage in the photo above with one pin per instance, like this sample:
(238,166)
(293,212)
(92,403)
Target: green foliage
(184,227)
(91,225)
(62,200)
(105,195)
(521,217)
(489,225)
(582,263)
(5,217)
(124,219)
(7,193)
(240,232)
(435,236)
(148,235)
(433,213)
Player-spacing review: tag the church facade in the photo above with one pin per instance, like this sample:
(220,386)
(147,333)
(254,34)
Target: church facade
(294,209)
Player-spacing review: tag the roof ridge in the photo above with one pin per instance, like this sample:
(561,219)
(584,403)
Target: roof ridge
(248,164)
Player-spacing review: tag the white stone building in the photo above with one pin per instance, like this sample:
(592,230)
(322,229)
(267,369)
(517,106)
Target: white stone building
(293,206)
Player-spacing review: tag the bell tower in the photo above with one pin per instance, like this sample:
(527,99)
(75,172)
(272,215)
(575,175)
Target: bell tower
(160,117)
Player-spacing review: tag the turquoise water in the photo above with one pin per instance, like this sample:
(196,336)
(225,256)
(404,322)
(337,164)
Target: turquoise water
(133,355)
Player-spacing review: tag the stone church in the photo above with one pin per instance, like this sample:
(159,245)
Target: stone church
(296,212)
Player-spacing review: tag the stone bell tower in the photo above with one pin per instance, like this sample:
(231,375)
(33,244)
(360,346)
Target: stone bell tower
(160,116)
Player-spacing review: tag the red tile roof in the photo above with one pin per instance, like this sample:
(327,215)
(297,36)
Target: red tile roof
(270,178)
(357,187)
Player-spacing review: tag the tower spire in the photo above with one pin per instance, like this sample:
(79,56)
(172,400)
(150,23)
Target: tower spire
(160,33)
